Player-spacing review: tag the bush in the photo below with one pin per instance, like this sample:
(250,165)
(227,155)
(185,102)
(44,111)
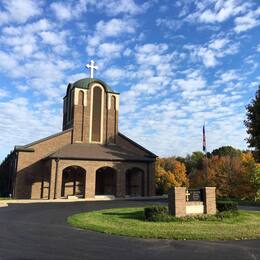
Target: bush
(226,205)
(151,213)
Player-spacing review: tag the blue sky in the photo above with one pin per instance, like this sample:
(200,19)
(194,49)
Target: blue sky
(175,63)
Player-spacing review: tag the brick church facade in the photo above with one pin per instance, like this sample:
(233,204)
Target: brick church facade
(88,158)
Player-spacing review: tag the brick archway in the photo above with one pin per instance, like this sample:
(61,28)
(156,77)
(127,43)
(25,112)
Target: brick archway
(73,181)
(106,181)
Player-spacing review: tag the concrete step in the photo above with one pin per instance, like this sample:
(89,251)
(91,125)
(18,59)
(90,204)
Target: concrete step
(72,197)
(105,197)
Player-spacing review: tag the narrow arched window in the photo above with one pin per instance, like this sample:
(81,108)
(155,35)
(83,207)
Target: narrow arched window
(113,121)
(96,114)
(81,98)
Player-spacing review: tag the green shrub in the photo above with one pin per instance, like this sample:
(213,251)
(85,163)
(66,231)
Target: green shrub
(151,213)
(162,217)
(226,205)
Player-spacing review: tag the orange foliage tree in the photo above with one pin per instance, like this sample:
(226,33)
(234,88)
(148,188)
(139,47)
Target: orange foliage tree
(231,175)
(170,173)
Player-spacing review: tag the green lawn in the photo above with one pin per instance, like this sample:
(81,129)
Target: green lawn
(129,222)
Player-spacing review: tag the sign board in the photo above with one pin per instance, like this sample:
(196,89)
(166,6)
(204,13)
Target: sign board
(195,195)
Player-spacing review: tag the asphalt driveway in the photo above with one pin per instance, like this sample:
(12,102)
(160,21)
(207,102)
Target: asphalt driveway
(40,231)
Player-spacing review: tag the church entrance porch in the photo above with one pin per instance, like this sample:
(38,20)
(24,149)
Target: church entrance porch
(134,182)
(73,182)
(105,181)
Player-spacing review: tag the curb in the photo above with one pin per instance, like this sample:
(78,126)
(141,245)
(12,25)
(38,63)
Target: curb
(3,204)
(28,201)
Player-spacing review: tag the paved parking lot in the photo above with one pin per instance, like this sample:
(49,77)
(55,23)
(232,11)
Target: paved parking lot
(40,231)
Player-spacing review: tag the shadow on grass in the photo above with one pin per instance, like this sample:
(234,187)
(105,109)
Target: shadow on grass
(139,215)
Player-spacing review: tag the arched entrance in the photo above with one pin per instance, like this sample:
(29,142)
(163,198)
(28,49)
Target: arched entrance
(106,181)
(73,181)
(134,182)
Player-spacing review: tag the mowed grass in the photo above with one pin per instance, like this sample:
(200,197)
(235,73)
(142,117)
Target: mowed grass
(130,222)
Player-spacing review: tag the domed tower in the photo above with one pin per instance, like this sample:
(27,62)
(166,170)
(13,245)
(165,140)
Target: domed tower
(91,109)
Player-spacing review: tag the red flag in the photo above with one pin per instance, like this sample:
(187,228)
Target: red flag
(204,139)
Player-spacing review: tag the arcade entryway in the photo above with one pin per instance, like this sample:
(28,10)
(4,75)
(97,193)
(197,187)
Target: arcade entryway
(106,181)
(73,181)
(134,182)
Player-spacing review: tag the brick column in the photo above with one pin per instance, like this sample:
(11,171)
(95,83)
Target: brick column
(120,181)
(52,179)
(177,201)
(151,179)
(209,197)
(90,185)
(59,181)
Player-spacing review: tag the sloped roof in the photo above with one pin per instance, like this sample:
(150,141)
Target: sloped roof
(98,152)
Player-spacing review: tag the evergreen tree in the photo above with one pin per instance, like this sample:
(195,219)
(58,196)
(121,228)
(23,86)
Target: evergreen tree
(252,123)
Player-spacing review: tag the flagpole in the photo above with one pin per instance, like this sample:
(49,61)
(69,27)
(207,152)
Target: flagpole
(205,151)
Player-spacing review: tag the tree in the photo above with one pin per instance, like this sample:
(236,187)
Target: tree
(234,176)
(194,161)
(226,151)
(252,124)
(255,181)
(170,173)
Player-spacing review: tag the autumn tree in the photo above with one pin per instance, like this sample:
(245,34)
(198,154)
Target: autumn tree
(233,176)
(252,123)
(170,173)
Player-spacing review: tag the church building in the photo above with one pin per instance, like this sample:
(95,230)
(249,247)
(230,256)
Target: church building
(90,158)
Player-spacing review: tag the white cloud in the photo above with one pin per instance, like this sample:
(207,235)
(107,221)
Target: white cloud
(22,88)
(62,11)
(54,38)
(29,28)
(109,49)
(169,23)
(221,13)
(97,43)
(229,76)
(114,27)
(211,52)
(116,7)
(28,123)
(19,10)
(9,65)
(217,11)
(24,40)
(3,93)
(114,74)
(248,21)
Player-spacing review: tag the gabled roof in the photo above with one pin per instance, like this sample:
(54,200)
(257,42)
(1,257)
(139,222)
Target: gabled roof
(97,152)
(25,147)
(138,145)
